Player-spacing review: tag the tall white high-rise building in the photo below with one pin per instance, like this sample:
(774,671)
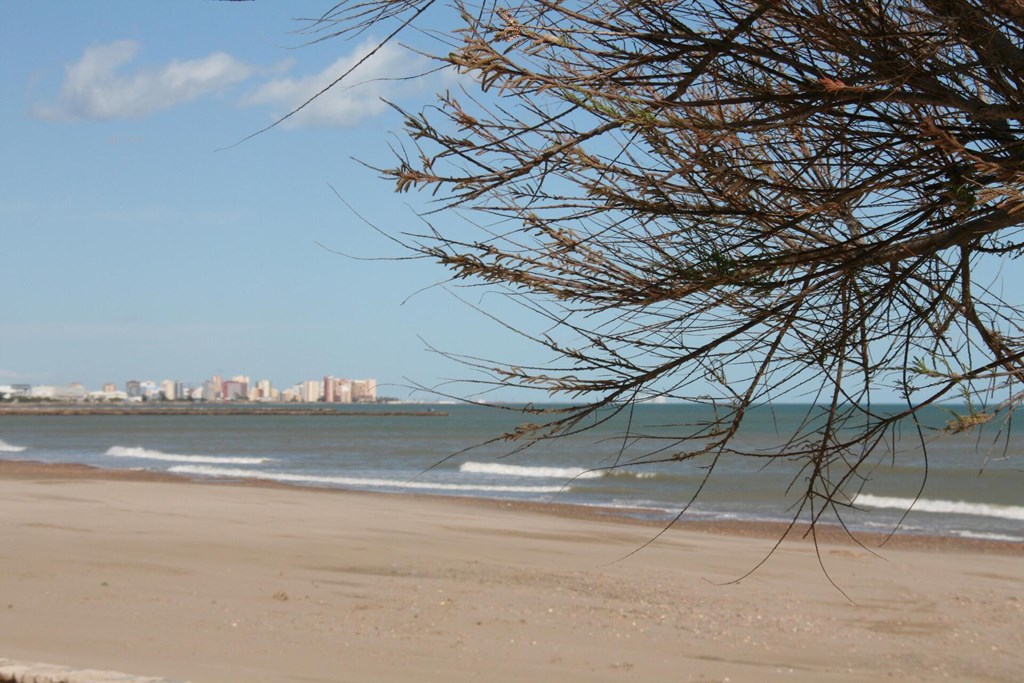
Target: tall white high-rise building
(312,390)
(265,389)
(167,388)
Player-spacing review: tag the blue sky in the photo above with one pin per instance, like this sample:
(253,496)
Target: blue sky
(131,247)
(134,246)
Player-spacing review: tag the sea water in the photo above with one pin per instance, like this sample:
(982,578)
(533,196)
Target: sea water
(969,485)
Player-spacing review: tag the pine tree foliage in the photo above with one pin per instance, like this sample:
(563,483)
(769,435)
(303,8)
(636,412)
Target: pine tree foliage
(733,202)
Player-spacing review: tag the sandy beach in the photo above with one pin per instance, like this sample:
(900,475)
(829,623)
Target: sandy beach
(221,583)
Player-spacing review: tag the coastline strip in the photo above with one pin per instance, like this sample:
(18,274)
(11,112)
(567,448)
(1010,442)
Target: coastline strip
(824,533)
(60,410)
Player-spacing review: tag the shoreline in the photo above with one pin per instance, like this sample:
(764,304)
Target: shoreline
(826,533)
(250,582)
(62,409)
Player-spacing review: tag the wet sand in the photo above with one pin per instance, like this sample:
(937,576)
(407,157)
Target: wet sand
(217,583)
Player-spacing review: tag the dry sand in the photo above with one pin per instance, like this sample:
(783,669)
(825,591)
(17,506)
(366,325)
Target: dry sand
(223,583)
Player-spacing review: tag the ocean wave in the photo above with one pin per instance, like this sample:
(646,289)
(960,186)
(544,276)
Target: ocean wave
(528,471)
(289,478)
(147,454)
(957,507)
(627,472)
(10,448)
(564,473)
(987,536)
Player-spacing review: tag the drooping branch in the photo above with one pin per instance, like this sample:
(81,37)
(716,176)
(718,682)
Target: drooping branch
(714,201)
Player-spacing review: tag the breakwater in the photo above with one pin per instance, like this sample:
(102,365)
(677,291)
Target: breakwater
(202,409)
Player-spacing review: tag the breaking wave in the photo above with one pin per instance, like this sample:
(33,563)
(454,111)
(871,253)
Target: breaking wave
(10,448)
(955,507)
(146,454)
(986,536)
(563,473)
(356,482)
(528,471)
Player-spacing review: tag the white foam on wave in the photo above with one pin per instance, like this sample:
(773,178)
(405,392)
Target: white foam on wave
(956,507)
(564,473)
(147,454)
(626,472)
(501,469)
(10,448)
(289,478)
(986,536)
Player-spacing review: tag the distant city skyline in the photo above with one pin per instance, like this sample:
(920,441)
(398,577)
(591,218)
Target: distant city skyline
(329,389)
(131,247)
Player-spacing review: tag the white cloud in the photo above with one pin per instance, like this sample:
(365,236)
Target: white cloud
(96,88)
(358,96)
